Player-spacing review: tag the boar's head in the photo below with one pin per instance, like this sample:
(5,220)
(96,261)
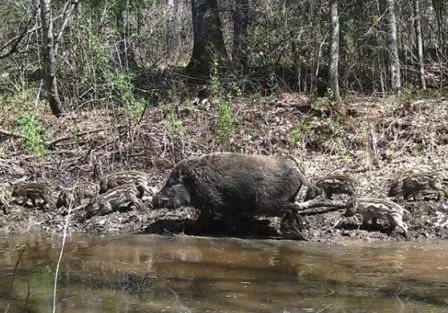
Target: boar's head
(352,207)
(395,188)
(174,193)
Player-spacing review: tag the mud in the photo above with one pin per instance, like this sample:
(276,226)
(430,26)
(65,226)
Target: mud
(426,221)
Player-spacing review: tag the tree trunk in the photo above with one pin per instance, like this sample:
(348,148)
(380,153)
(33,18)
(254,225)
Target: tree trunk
(440,10)
(419,40)
(49,58)
(240,24)
(333,82)
(126,57)
(208,43)
(394,60)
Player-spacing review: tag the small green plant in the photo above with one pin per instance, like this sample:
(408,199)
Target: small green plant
(225,120)
(296,134)
(237,91)
(333,101)
(30,125)
(257,96)
(298,131)
(174,126)
(137,107)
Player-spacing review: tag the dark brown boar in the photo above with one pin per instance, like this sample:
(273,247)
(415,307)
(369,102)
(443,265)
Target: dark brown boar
(231,184)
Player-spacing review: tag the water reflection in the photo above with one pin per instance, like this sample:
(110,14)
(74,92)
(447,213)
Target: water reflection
(191,274)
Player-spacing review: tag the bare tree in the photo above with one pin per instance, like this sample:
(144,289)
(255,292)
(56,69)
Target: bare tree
(419,41)
(240,24)
(394,60)
(48,52)
(333,81)
(208,39)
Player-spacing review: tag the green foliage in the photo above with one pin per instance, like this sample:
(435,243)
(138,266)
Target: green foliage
(225,120)
(331,98)
(117,85)
(237,91)
(30,125)
(297,133)
(320,131)
(257,96)
(174,125)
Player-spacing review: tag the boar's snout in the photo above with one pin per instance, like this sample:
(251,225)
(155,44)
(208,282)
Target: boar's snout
(352,208)
(171,197)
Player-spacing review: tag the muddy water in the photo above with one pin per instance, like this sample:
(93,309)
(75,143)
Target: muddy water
(190,274)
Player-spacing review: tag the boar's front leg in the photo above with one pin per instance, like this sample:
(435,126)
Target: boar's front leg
(204,221)
(291,226)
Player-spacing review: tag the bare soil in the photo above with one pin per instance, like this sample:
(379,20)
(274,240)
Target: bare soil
(373,140)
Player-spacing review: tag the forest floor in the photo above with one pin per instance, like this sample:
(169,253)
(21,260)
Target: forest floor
(374,140)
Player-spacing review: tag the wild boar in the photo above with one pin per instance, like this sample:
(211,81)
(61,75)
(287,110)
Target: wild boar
(333,184)
(77,194)
(4,199)
(414,184)
(114,199)
(33,191)
(375,208)
(232,184)
(113,180)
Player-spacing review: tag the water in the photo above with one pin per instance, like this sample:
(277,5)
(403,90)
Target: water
(139,273)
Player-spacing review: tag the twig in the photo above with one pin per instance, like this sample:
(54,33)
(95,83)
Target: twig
(36,103)
(15,42)
(67,220)
(57,140)
(324,308)
(67,11)
(7,133)
(17,39)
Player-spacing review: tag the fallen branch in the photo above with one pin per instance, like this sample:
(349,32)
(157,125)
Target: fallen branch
(316,211)
(319,205)
(60,139)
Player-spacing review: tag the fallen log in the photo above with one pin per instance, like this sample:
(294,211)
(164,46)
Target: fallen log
(319,205)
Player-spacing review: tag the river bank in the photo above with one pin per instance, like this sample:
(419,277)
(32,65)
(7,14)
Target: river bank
(374,141)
